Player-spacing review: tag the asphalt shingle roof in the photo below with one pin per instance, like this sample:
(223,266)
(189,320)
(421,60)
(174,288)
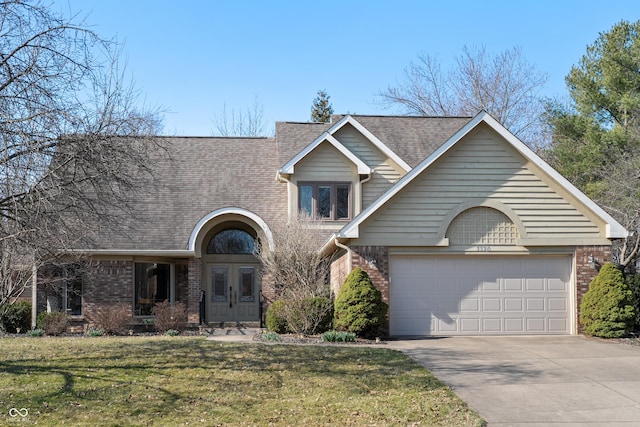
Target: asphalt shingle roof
(197,175)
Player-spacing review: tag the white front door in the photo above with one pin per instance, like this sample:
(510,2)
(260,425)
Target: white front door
(232,292)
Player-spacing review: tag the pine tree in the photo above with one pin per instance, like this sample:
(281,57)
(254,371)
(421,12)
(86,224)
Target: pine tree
(321,110)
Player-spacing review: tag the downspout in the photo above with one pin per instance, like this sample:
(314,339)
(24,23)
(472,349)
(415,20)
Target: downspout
(346,248)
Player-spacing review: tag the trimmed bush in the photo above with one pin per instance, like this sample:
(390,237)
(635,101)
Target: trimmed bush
(633,281)
(607,309)
(359,307)
(53,322)
(276,320)
(309,316)
(16,316)
(113,319)
(169,316)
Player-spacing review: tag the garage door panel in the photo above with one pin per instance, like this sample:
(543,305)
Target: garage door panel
(474,295)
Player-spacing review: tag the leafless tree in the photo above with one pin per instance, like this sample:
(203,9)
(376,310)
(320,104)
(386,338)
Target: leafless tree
(298,269)
(505,85)
(71,138)
(241,123)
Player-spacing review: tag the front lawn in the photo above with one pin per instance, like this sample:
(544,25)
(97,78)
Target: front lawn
(191,381)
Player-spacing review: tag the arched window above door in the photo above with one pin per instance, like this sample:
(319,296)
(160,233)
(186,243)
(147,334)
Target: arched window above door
(232,241)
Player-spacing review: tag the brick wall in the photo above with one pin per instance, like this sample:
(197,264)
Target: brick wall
(339,271)
(107,283)
(375,261)
(193,291)
(585,271)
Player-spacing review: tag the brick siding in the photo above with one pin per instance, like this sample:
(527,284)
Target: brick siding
(585,272)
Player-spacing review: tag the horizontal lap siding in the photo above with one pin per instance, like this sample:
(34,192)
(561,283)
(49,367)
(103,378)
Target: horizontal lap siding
(325,163)
(386,172)
(479,168)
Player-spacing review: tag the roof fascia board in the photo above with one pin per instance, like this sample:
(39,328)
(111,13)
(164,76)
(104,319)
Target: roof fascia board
(371,137)
(613,228)
(363,169)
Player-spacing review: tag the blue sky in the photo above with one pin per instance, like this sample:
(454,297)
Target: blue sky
(192,57)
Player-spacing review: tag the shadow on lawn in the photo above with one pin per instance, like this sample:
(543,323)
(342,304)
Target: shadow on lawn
(120,361)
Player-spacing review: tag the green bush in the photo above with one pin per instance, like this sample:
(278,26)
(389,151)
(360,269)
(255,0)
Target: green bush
(359,307)
(338,336)
(52,323)
(276,320)
(271,336)
(633,281)
(35,333)
(309,316)
(16,316)
(305,316)
(607,309)
(95,333)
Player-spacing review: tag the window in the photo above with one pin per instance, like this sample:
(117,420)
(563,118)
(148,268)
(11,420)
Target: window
(65,292)
(232,241)
(152,283)
(325,200)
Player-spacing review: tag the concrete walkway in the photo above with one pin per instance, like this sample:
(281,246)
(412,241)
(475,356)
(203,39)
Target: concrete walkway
(537,381)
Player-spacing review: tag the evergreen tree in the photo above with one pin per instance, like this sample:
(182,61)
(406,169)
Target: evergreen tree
(596,137)
(321,110)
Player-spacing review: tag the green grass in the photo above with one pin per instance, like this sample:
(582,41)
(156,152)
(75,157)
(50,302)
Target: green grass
(174,381)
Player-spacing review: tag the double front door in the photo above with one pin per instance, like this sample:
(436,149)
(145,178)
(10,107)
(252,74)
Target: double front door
(233,292)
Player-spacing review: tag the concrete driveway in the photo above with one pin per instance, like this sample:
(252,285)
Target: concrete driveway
(537,381)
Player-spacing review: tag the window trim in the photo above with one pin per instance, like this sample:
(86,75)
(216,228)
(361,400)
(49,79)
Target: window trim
(333,199)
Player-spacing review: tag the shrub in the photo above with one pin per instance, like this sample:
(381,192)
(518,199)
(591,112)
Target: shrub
(95,333)
(633,281)
(309,316)
(169,316)
(16,316)
(271,336)
(338,336)
(113,319)
(52,322)
(607,309)
(35,333)
(359,307)
(276,320)
(172,332)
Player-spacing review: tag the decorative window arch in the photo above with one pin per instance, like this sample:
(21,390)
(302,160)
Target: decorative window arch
(482,226)
(232,241)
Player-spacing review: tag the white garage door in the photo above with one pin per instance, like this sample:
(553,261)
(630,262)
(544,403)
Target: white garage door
(479,295)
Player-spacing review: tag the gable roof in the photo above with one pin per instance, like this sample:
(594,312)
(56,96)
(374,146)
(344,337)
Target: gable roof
(289,167)
(613,228)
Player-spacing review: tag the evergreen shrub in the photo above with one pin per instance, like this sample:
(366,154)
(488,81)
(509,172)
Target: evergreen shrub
(359,307)
(607,309)
(276,317)
(16,316)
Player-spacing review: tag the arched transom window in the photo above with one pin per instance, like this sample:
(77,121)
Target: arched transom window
(232,241)
(482,226)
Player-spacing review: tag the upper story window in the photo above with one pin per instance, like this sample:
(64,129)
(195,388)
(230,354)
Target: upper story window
(325,200)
